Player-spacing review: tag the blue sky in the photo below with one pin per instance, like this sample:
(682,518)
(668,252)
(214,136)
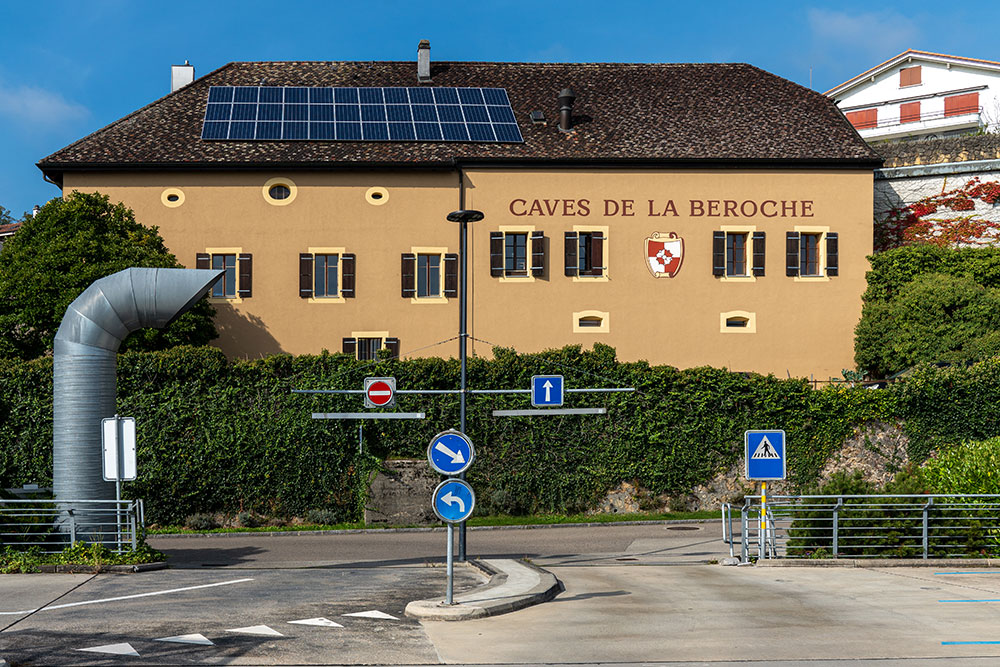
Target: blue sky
(69,67)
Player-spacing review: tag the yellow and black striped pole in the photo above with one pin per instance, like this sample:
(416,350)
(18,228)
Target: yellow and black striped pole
(763,520)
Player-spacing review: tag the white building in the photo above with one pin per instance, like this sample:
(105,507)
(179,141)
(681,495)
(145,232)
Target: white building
(922,95)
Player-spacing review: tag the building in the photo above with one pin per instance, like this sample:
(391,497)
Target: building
(921,95)
(690,214)
(8,230)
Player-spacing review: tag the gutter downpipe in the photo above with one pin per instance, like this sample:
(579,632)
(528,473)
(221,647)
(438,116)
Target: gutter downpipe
(85,358)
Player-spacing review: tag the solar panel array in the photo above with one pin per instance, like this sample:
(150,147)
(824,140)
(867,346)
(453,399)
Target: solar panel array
(273,113)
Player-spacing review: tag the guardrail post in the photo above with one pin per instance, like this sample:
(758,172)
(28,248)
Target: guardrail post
(72,528)
(836,526)
(132,523)
(745,533)
(926,541)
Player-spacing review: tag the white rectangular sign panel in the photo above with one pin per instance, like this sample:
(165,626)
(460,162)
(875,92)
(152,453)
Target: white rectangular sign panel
(111,447)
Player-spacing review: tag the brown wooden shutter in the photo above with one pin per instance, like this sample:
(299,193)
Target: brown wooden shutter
(203,261)
(305,275)
(832,254)
(347,272)
(350,346)
(407,273)
(758,253)
(392,344)
(451,275)
(958,105)
(245,290)
(909,112)
(538,254)
(597,267)
(863,119)
(569,252)
(718,253)
(791,253)
(496,254)
(909,76)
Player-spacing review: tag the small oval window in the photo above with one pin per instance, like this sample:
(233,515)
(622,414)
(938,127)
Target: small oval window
(279,192)
(376,195)
(173,197)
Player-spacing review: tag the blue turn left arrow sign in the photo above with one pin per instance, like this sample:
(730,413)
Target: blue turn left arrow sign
(454,501)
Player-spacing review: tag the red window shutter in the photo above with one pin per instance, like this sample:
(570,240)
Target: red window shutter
(832,254)
(909,112)
(350,346)
(245,289)
(392,344)
(909,76)
(718,253)
(758,253)
(407,272)
(597,267)
(305,275)
(496,254)
(791,253)
(347,272)
(863,119)
(569,252)
(538,254)
(959,105)
(203,261)
(451,275)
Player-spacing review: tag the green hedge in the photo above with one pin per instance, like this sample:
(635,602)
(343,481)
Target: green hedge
(229,436)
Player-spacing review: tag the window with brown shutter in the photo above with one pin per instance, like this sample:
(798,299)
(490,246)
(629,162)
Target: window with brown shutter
(392,344)
(305,275)
(450,276)
(791,253)
(909,76)
(496,254)
(203,261)
(959,105)
(246,275)
(347,271)
(863,119)
(407,272)
(570,241)
(718,253)
(350,346)
(909,112)
(758,253)
(595,264)
(832,254)
(537,254)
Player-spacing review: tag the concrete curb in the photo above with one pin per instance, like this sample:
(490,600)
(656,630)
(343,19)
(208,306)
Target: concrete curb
(513,585)
(878,562)
(91,569)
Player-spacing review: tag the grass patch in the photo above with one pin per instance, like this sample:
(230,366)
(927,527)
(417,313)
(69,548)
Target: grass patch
(544,519)
(82,553)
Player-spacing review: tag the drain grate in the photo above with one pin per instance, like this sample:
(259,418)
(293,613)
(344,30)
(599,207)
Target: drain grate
(683,528)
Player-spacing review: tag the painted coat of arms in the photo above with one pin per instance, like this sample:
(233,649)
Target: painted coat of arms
(664,254)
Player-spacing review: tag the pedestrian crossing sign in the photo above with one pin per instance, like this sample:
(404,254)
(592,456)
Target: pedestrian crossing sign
(765,454)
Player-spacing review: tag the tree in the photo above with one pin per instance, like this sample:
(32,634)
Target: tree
(933,318)
(5,217)
(56,255)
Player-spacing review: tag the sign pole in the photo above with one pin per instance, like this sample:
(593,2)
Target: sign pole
(763,520)
(120,466)
(449,597)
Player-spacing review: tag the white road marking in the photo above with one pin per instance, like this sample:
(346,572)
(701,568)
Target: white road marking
(257,630)
(372,614)
(122,597)
(325,622)
(115,649)
(195,638)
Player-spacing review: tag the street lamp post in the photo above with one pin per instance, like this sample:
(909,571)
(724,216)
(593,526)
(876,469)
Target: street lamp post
(463,217)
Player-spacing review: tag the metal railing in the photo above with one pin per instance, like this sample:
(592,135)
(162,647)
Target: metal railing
(52,525)
(867,526)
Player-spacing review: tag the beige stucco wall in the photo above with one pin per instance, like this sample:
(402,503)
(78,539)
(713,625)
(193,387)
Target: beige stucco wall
(803,327)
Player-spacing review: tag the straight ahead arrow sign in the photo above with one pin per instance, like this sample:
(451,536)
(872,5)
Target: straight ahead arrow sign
(548,391)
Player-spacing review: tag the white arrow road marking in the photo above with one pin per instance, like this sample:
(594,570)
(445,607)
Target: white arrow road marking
(450,499)
(115,649)
(325,622)
(122,597)
(456,457)
(195,638)
(257,630)
(548,389)
(372,614)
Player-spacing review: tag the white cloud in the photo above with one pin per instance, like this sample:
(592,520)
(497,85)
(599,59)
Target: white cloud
(877,34)
(39,108)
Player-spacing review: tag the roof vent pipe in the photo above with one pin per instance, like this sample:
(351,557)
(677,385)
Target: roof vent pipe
(85,360)
(424,60)
(566,98)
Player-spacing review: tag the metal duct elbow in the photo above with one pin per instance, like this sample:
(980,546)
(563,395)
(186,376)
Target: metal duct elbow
(85,363)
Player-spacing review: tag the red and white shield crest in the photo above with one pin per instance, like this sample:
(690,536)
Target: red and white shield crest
(664,254)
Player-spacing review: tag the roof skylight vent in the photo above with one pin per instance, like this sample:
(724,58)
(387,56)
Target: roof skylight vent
(538,118)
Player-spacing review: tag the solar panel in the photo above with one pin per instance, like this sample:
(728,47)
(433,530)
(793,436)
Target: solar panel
(294,113)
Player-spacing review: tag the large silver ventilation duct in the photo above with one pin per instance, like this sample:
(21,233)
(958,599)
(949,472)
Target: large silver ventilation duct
(85,360)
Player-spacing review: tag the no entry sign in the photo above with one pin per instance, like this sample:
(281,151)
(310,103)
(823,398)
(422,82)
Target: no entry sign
(380,392)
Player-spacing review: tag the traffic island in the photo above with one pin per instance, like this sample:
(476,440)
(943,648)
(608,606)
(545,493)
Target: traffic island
(513,585)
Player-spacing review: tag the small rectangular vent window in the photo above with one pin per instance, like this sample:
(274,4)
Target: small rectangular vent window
(591,321)
(737,322)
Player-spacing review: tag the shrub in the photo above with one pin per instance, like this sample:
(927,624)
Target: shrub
(201,522)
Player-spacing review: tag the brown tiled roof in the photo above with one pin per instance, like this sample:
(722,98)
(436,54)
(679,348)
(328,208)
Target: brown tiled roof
(623,112)
(8,229)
